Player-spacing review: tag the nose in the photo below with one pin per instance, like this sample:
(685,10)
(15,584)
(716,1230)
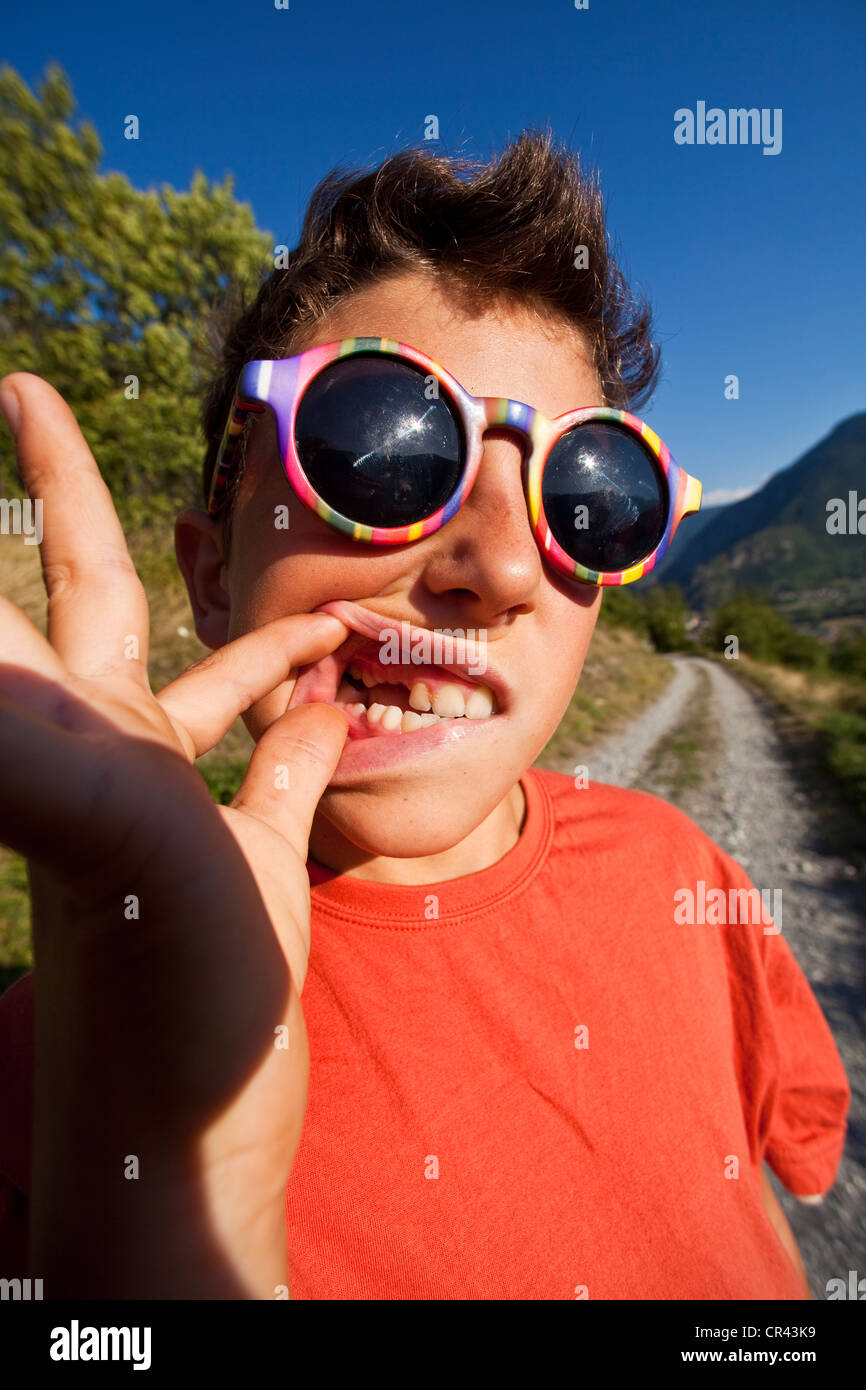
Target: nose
(487,552)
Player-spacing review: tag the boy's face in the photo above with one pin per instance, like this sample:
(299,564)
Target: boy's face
(420,792)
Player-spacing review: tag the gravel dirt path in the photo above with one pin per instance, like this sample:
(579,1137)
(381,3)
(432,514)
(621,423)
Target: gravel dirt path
(714,748)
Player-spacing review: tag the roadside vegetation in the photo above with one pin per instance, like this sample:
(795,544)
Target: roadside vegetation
(820,683)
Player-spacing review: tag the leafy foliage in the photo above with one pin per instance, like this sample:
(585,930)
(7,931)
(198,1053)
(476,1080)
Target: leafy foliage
(657,614)
(844,737)
(666,614)
(763,633)
(848,656)
(101,282)
(621,607)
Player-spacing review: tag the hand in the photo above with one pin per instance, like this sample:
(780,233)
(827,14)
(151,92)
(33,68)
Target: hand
(171,936)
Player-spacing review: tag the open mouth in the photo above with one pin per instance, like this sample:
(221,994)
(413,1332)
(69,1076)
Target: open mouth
(384,697)
(396,700)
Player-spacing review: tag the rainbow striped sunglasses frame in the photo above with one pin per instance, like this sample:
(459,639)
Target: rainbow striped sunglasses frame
(280,384)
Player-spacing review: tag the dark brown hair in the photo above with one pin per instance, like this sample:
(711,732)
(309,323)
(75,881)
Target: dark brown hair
(508,229)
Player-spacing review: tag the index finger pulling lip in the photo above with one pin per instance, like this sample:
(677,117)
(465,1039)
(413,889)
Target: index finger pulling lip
(269,653)
(206,699)
(324,631)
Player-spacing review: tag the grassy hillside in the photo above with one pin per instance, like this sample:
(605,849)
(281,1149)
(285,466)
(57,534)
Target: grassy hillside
(689,529)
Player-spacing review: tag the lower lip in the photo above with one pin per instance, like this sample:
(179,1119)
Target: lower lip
(366,751)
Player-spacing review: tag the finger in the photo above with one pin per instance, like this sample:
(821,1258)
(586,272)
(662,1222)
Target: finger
(97,610)
(204,701)
(49,791)
(22,645)
(291,766)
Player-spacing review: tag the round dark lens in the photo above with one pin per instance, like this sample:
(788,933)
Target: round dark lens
(605,496)
(375,442)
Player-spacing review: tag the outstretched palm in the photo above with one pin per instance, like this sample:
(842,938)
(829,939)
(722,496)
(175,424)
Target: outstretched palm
(171,936)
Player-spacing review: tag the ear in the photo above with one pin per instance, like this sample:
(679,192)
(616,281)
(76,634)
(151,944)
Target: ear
(198,543)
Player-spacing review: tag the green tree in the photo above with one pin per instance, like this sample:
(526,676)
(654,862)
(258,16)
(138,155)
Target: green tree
(666,615)
(620,607)
(848,655)
(763,633)
(801,650)
(103,283)
(749,618)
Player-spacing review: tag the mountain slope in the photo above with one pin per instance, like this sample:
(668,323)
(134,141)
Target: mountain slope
(777,539)
(689,529)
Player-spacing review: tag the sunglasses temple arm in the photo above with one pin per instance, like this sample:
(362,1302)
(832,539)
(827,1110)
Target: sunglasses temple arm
(227,458)
(692,499)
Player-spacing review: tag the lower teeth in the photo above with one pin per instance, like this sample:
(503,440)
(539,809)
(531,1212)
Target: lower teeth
(408,722)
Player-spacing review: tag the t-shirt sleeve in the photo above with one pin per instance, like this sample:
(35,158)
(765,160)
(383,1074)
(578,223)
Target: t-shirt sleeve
(794,1089)
(807,1127)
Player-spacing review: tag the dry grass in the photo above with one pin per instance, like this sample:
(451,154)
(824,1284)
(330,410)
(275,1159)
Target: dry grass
(21,578)
(797,689)
(621,675)
(173,643)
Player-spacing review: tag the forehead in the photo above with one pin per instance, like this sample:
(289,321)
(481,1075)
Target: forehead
(505,347)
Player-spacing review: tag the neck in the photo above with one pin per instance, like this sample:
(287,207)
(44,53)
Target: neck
(484,846)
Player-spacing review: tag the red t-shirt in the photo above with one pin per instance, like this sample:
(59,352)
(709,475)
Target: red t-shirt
(536,1082)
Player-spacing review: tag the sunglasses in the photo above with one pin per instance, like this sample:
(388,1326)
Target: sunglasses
(385,445)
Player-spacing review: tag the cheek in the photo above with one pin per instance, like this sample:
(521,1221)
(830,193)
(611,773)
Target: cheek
(277,569)
(264,588)
(568,636)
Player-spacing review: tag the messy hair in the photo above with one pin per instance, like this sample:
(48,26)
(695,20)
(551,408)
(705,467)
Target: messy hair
(512,228)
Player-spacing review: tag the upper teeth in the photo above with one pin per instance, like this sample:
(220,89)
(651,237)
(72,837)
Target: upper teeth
(419,696)
(448,702)
(480,703)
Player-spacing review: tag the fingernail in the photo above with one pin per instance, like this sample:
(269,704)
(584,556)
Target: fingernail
(11,407)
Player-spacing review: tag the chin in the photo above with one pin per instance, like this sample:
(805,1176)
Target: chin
(415,818)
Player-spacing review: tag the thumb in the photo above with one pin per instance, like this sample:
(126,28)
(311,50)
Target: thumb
(291,766)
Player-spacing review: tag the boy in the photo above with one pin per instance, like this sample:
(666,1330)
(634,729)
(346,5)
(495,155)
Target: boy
(526,1079)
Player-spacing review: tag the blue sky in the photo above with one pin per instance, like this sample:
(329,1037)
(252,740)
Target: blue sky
(754,263)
